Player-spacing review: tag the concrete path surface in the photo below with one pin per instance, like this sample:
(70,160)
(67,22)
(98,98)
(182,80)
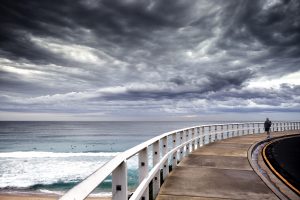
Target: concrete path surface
(216,171)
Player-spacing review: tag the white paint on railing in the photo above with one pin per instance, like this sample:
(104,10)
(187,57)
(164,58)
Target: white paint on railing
(143,170)
(164,152)
(183,142)
(174,156)
(119,182)
(156,180)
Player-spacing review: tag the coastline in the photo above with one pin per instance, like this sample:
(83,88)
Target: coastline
(11,196)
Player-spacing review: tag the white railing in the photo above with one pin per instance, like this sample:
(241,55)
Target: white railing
(167,149)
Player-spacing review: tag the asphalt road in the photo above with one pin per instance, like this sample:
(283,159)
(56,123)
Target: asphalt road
(284,156)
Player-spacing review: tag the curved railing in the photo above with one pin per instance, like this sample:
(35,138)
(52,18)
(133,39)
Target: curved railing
(166,149)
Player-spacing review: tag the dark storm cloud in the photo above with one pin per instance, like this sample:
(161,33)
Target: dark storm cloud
(168,52)
(177,80)
(272,24)
(120,22)
(11,83)
(215,82)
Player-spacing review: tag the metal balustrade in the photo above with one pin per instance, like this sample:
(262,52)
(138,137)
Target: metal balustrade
(167,149)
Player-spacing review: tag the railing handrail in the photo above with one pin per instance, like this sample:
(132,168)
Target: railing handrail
(137,194)
(84,188)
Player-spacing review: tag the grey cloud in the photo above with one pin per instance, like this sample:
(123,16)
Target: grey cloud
(189,50)
(177,80)
(213,82)
(271,31)
(218,81)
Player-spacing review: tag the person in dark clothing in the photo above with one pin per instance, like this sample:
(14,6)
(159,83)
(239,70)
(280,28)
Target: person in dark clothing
(267,126)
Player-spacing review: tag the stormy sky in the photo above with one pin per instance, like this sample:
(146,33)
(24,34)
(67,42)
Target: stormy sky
(149,60)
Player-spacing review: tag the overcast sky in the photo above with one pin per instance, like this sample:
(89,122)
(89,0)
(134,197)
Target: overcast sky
(149,59)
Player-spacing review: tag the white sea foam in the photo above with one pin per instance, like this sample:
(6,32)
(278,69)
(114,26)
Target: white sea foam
(25,169)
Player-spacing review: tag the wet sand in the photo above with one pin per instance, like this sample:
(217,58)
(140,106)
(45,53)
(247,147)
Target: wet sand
(39,197)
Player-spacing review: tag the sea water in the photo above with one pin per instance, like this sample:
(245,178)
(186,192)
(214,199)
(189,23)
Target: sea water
(52,157)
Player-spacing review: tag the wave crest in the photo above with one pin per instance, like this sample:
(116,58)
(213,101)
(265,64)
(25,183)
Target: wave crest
(42,154)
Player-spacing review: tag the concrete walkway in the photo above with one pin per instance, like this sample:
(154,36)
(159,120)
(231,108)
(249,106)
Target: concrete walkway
(219,170)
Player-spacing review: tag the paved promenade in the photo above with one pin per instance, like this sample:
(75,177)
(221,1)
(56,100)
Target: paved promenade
(217,171)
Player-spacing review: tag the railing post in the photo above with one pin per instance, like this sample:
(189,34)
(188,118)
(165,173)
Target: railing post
(174,156)
(286,126)
(202,137)
(258,124)
(198,137)
(182,148)
(186,138)
(235,128)
(243,129)
(119,182)
(294,125)
(143,170)
(164,152)
(227,129)
(280,124)
(216,133)
(193,137)
(156,180)
(209,134)
(222,132)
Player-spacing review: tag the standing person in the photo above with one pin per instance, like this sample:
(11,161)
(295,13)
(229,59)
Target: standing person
(267,126)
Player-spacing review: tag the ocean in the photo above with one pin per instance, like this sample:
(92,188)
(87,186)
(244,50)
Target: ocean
(52,157)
